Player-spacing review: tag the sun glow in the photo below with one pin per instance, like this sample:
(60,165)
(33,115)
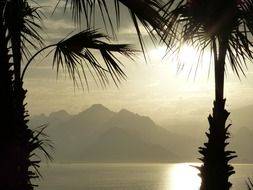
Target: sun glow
(158,53)
(186,56)
(191,61)
(184,66)
(184,176)
(188,53)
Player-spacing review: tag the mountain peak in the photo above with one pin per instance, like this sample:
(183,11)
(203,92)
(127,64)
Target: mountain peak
(60,113)
(96,113)
(96,107)
(124,111)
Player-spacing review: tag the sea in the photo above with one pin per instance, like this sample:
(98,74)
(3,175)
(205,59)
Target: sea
(131,176)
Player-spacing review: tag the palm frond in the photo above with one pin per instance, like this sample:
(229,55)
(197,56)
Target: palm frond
(149,12)
(144,13)
(22,18)
(73,52)
(38,143)
(32,24)
(249,184)
(201,21)
(40,140)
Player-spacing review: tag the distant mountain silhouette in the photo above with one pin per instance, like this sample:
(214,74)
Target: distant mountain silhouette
(241,131)
(98,134)
(52,119)
(144,128)
(117,145)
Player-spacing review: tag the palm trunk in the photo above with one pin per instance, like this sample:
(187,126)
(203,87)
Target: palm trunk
(16,140)
(216,170)
(7,116)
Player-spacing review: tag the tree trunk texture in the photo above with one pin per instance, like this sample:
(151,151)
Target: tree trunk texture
(15,135)
(215,170)
(7,137)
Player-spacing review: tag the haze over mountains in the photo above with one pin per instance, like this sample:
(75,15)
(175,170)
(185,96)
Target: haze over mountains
(101,135)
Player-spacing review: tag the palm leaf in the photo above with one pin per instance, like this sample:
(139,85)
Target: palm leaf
(249,184)
(22,18)
(146,13)
(32,24)
(74,52)
(202,21)
(38,143)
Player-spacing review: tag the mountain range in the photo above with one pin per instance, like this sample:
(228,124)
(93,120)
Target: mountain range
(98,134)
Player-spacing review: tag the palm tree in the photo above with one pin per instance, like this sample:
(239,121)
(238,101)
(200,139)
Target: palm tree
(224,27)
(19,31)
(18,142)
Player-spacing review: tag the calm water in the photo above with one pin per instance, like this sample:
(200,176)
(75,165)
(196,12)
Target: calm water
(131,176)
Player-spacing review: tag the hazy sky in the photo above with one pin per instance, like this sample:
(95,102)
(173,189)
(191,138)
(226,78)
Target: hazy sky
(153,88)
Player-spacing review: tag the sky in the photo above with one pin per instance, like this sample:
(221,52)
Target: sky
(154,88)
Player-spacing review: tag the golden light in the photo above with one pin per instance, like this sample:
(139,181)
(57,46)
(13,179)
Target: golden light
(188,53)
(184,176)
(192,61)
(187,68)
(187,58)
(157,54)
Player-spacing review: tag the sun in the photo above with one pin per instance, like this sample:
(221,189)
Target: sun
(192,60)
(187,60)
(188,53)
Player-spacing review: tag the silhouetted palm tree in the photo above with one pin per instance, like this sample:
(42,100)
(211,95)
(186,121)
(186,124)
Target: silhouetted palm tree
(17,141)
(224,27)
(19,31)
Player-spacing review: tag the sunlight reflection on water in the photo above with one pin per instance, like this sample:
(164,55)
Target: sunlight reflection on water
(178,176)
(184,176)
